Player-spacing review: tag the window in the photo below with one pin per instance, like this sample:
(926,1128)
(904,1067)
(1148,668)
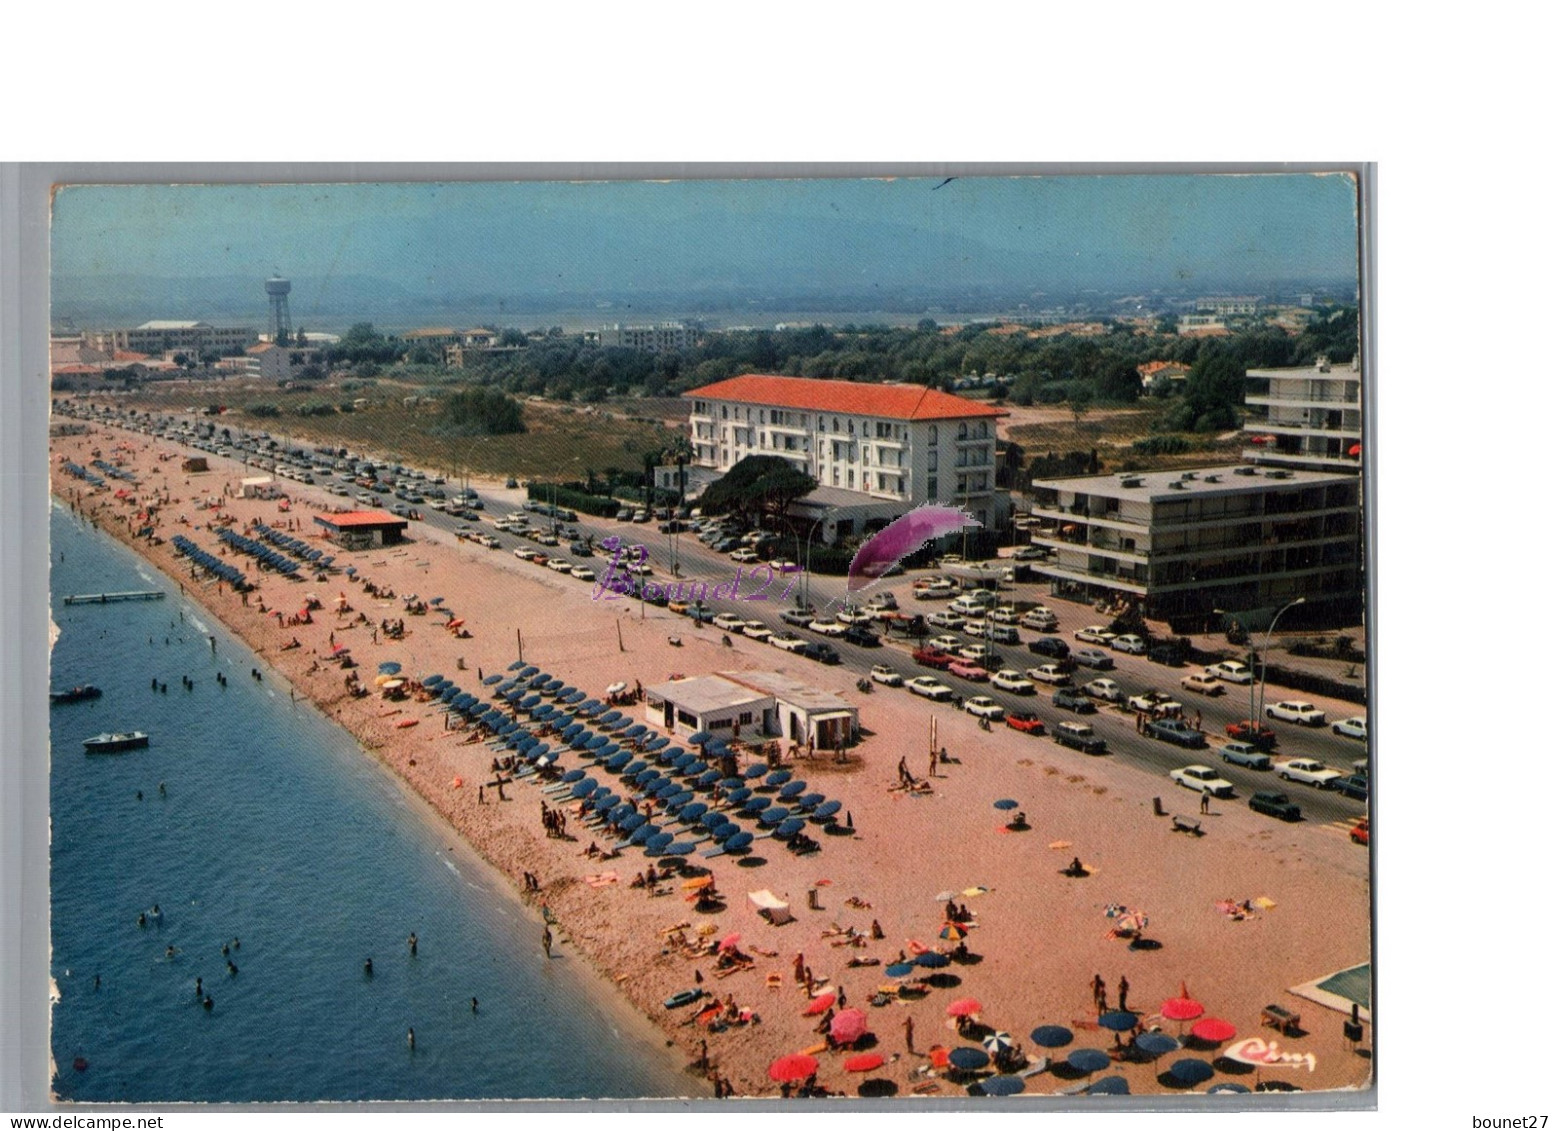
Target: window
(931,488)
(931,467)
(724,412)
(933,435)
(963,431)
(851,479)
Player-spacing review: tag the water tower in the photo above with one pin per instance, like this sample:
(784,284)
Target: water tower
(280,319)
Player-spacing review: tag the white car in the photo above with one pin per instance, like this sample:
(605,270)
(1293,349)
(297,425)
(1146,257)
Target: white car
(976,653)
(1308,771)
(854,616)
(757,630)
(883,602)
(1297,711)
(1106,689)
(787,642)
(1008,679)
(934,591)
(947,643)
(1355,727)
(1201,779)
(730,622)
(782,565)
(1048,673)
(1003,616)
(561,565)
(583,573)
(744,555)
(886,676)
(985,707)
(1232,671)
(928,686)
(1040,618)
(1204,682)
(828,627)
(1155,703)
(975,628)
(1130,643)
(944,620)
(1094,634)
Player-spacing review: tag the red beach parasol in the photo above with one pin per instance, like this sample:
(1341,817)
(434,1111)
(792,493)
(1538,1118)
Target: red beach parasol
(849,1026)
(865,1062)
(1182,1008)
(795,1066)
(964,1007)
(819,1004)
(1212,1029)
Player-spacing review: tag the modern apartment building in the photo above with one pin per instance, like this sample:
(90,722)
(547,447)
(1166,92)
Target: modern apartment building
(650,339)
(1308,418)
(895,444)
(1243,540)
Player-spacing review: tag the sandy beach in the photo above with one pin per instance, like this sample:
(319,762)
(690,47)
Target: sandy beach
(1037,937)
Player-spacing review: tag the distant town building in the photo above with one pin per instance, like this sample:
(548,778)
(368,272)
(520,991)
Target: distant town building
(1306,418)
(160,337)
(1158,372)
(1202,325)
(868,444)
(1239,539)
(1229,306)
(650,339)
(270,362)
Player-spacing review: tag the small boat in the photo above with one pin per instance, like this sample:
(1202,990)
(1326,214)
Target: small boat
(75,694)
(113,743)
(686,997)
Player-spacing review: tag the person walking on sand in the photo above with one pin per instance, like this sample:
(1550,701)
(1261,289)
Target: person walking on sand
(1098,993)
(546,940)
(1206,799)
(1125,988)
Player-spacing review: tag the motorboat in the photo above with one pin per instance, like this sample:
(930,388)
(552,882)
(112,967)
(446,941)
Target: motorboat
(114,743)
(75,694)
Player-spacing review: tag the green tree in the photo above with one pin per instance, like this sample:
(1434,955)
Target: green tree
(757,486)
(482,411)
(1080,400)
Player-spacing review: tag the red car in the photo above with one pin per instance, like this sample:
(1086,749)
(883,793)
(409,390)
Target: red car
(1246,730)
(931,658)
(1360,832)
(1025,721)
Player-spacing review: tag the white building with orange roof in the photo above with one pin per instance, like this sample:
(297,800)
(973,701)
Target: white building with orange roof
(886,447)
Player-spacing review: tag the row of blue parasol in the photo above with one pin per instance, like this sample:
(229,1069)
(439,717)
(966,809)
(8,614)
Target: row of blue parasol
(82,473)
(113,472)
(267,558)
(210,562)
(294,546)
(652,766)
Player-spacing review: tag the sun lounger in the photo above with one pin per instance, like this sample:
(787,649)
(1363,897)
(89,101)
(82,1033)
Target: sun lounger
(1282,1020)
(1183,824)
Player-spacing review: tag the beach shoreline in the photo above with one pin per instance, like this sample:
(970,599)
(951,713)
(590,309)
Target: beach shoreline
(619,932)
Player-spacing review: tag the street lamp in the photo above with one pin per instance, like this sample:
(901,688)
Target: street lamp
(806,576)
(1266,647)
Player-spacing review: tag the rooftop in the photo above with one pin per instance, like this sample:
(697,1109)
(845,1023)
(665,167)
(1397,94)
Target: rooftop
(359,518)
(791,691)
(1235,479)
(705,693)
(169,325)
(895,402)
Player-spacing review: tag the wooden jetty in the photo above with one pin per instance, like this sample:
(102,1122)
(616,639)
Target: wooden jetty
(111,598)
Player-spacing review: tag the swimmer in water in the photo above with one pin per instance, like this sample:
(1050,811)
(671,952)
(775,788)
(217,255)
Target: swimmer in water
(199,987)
(231,969)
(367,967)
(169,952)
(412,943)
(140,920)
(208,1003)
(473,1005)
(411,1037)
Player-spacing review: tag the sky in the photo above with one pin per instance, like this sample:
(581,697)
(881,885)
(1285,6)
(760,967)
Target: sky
(1042,233)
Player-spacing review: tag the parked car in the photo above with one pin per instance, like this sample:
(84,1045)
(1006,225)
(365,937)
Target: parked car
(985,707)
(880,673)
(1039,619)
(861,637)
(1247,730)
(828,627)
(1008,679)
(1130,643)
(800,617)
(1243,754)
(1005,615)
(1360,832)
(787,642)
(1355,727)
(1297,711)
(934,591)
(1052,646)
(1156,704)
(929,687)
(757,630)
(1079,736)
(1094,658)
(743,555)
(978,654)
(1094,634)
(1307,770)
(821,652)
(1202,779)
(969,670)
(1048,673)
(883,602)
(1025,721)
(976,628)
(1203,682)
(1028,553)
(1275,804)
(783,565)
(1355,786)
(1232,671)
(1169,655)
(945,643)
(933,658)
(1106,689)
(948,620)
(730,622)
(1070,699)
(1177,731)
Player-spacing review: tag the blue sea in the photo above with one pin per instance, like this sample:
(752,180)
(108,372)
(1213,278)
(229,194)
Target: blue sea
(277,831)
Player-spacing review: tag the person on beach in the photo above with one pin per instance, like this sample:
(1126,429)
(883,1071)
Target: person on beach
(1099,999)
(1125,988)
(908,1035)
(546,940)
(1206,799)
